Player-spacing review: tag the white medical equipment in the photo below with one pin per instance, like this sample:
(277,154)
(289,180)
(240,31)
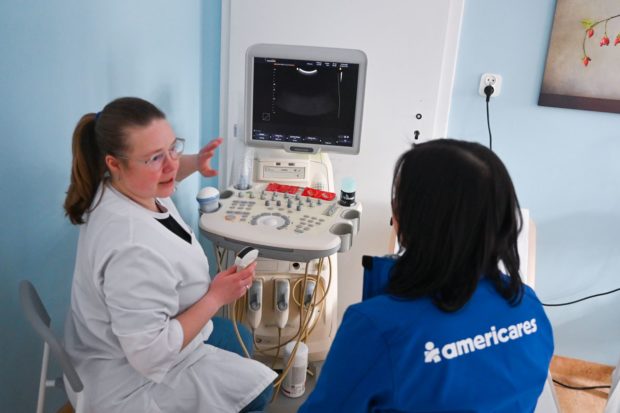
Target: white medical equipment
(294,384)
(208,199)
(300,103)
(246,257)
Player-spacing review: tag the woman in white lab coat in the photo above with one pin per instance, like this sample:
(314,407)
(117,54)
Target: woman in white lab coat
(142,301)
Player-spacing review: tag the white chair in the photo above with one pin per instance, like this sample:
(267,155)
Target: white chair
(39,319)
(613,402)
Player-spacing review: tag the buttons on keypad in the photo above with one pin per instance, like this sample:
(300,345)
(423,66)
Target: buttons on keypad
(331,210)
(279,210)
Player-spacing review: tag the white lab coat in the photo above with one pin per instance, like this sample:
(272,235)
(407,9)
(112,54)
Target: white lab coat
(132,277)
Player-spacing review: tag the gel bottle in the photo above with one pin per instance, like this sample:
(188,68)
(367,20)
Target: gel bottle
(347,191)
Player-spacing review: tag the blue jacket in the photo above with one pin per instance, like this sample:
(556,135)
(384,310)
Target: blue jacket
(395,355)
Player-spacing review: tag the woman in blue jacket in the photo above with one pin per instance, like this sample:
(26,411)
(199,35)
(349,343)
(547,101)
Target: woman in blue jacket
(451,332)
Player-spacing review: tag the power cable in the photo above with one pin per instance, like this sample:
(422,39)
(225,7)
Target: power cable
(488,91)
(581,299)
(568,386)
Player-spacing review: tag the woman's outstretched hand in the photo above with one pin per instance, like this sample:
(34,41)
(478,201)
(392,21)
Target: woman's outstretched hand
(205,155)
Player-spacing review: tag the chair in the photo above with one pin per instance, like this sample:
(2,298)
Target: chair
(39,319)
(613,402)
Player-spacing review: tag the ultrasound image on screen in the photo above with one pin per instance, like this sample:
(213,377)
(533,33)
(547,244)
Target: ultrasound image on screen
(302,101)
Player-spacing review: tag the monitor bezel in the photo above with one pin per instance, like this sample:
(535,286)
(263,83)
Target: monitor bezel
(277,51)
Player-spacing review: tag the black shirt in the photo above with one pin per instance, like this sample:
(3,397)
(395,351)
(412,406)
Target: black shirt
(176,228)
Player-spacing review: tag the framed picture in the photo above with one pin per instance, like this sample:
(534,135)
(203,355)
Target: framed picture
(581,71)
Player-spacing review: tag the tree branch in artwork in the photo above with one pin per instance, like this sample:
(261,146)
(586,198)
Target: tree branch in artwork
(589,25)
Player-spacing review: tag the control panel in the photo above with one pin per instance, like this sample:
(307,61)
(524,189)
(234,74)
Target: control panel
(284,221)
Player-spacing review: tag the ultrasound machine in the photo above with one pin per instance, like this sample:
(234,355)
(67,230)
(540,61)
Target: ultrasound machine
(300,104)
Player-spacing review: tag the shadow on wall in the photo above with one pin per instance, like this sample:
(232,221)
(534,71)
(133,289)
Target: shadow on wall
(579,255)
(579,335)
(582,248)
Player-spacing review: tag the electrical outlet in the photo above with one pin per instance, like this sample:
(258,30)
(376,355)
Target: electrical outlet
(490,79)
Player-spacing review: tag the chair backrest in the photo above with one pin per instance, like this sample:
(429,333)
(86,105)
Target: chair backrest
(39,319)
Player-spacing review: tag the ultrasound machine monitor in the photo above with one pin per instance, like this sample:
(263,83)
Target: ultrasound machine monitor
(304,99)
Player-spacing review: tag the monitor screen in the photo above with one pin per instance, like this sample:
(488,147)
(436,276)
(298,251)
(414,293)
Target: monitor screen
(304,99)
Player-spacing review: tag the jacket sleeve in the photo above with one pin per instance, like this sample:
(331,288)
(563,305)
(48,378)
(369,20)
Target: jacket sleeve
(356,374)
(140,292)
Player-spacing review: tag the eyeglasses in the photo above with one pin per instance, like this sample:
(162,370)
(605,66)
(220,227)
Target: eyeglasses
(156,161)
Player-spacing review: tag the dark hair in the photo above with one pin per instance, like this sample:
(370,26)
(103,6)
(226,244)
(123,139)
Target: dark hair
(95,136)
(458,217)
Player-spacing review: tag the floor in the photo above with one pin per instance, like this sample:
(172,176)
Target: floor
(580,373)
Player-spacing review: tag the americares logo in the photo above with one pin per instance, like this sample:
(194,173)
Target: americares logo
(468,345)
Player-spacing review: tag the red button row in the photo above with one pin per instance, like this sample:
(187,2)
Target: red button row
(292,189)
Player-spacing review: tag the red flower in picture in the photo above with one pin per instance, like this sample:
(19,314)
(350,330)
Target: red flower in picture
(604,41)
(588,26)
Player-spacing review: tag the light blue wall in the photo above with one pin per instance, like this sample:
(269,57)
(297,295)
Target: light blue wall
(59,60)
(210,61)
(210,93)
(564,164)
